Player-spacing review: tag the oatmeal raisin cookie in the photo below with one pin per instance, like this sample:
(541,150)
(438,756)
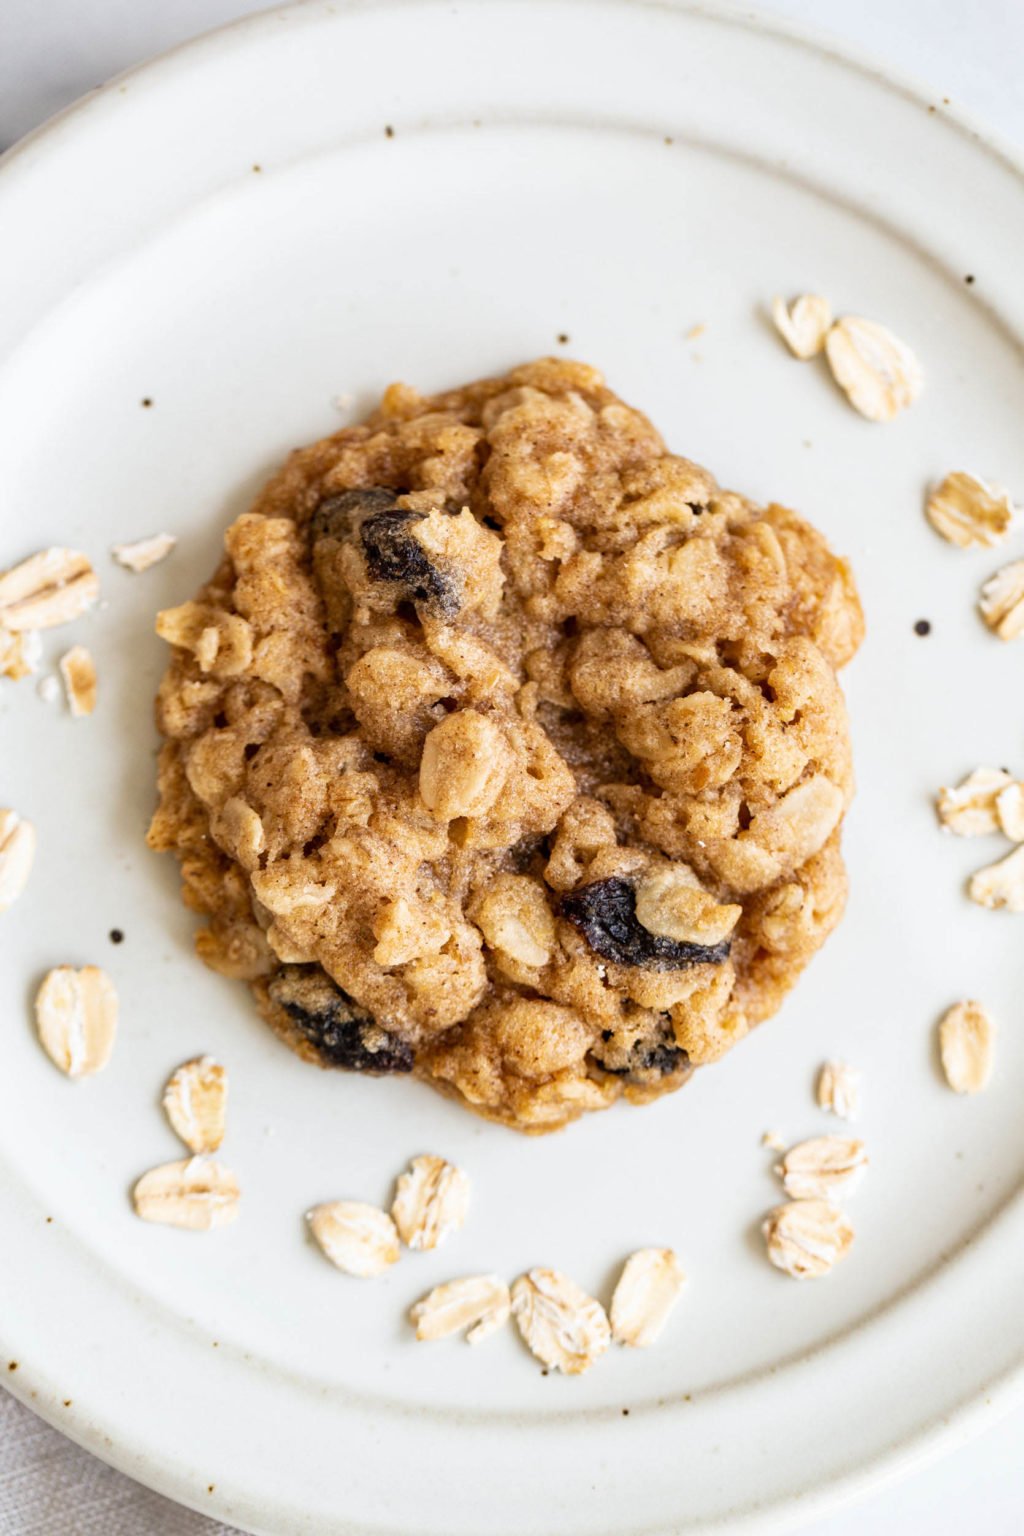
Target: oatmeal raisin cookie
(506,749)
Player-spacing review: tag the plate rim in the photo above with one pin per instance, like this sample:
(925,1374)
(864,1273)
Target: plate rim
(750,17)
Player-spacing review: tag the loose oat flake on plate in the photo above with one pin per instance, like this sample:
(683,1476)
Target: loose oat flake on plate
(878,373)
(76,1017)
(480,1304)
(970,809)
(1001,885)
(969,512)
(807,1238)
(17,852)
(804,324)
(20,653)
(564,1327)
(78,670)
(195,1102)
(967,1038)
(838,1089)
(431,1201)
(195,1193)
(1010,812)
(824,1168)
(1002,601)
(144,553)
(358,1238)
(651,1283)
(49,588)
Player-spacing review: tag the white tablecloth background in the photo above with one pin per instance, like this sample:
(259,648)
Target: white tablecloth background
(51,51)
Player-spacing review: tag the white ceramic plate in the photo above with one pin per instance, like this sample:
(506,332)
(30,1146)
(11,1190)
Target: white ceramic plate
(231,234)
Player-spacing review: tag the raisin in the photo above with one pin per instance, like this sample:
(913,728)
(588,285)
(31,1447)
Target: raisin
(344,1034)
(648,1063)
(392,554)
(605,913)
(660,1060)
(649,1059)
(336,516)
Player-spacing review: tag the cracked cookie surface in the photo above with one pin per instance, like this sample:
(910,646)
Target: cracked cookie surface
(505,748)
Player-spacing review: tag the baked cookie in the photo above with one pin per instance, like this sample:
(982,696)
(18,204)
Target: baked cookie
(506,749)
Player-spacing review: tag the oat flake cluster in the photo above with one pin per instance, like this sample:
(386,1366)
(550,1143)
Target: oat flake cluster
(506,749)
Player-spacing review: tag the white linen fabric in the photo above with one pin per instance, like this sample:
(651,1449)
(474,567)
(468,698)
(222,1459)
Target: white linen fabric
(49,1487)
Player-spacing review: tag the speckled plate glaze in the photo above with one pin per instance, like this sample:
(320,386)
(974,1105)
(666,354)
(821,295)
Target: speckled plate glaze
(295,211)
